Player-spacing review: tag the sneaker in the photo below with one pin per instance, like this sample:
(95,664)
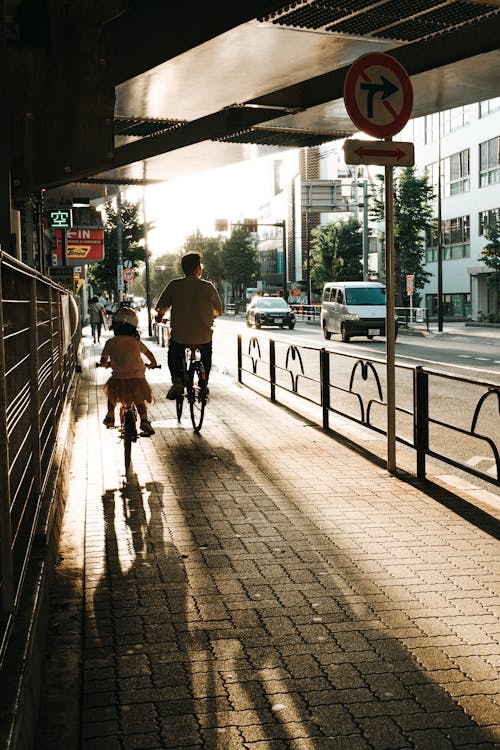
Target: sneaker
(146,427)
(109,421)
(175,391)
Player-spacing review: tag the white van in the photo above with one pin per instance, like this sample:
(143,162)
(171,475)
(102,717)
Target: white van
(353,308)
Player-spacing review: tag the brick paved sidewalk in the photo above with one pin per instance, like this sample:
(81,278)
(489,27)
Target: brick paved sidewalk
(262,586)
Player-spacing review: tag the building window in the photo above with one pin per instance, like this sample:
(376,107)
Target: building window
(489,162)
(456,173)
(430,128)
(454,119)
(488,219)
(455,239)
(490,105)
(454,305)
(279,181)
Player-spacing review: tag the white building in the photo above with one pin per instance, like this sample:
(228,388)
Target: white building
(468,139)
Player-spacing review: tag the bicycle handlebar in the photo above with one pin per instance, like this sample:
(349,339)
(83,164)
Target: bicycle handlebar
(150,367)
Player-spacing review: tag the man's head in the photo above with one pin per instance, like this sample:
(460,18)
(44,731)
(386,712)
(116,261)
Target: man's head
(191,264)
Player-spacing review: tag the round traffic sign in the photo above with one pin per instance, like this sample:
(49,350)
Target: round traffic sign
(378,95)
(128,274)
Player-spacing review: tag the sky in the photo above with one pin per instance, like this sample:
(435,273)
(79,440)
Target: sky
(180,207)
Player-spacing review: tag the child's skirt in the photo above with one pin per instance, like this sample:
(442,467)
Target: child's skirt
(128,390)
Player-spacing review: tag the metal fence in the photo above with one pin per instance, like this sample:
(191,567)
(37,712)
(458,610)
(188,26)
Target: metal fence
(306,312)
(38,360)
(412,317)
(448,418)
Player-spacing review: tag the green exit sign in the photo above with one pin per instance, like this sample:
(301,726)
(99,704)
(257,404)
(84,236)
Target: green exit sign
(60,218)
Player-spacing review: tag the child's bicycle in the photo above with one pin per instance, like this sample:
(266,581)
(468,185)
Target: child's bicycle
(195,383)
(128,424)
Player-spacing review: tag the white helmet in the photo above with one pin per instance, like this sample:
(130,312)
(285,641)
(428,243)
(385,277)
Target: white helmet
(126,315)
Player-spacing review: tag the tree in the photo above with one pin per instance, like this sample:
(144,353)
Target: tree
(211,252)
(240,262)
(413,216)
(491,257)
(103,274)
(163,269)
(212,261)
(336,252)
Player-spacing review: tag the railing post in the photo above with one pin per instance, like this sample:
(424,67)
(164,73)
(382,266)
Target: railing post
(421,418)
(52,367)
(6,570)
(240,359)
(272,368)
(35,390)
(324,369)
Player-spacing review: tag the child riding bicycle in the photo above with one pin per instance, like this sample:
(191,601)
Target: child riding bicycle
(127,384)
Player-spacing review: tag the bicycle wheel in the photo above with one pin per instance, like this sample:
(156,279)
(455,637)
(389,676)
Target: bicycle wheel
(129,437)
(197,394)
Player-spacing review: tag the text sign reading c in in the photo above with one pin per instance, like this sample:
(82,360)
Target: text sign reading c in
(383,153)
(378,95)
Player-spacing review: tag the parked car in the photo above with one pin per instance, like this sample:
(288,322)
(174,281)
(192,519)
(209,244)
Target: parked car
(270,311)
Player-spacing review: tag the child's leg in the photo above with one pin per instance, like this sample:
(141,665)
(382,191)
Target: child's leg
(109,419)
(146,428)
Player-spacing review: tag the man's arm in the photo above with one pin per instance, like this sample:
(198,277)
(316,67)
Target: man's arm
(163,304)
(217,303)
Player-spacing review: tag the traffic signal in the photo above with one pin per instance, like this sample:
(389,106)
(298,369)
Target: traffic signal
(250,225)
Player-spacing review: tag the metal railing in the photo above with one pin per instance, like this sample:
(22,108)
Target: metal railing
(352,387)
(306,312)
(38,359)
(412,317)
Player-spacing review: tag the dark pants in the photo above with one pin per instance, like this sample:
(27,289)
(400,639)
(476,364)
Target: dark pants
(96,330)
(176,358)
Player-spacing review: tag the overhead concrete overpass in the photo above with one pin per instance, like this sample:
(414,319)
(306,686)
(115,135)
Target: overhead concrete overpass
(124,90)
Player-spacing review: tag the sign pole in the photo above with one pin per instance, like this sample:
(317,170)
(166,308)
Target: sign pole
(390,320)
(379,98)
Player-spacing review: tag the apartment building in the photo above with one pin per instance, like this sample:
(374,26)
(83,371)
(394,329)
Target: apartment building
(461,147)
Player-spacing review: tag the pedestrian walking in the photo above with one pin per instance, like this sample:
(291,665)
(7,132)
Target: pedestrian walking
(97,317)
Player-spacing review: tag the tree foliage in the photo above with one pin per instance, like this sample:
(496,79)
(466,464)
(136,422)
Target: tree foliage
(336,252)
(163,269)
(239,261)
(413,216)
(210,249)
(103,275)
(491,257)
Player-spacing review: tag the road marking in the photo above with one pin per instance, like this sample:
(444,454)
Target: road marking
(482,359)
(465,356)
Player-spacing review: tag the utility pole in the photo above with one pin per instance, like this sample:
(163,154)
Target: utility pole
(365,230)
(148,270)
(119,245)
(439,233)
(282,224)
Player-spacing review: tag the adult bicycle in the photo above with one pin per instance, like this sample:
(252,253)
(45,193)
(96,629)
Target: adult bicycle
(194,380)
(128,424)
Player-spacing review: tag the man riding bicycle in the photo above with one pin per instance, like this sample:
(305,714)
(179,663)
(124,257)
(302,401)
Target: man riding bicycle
(193,303)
